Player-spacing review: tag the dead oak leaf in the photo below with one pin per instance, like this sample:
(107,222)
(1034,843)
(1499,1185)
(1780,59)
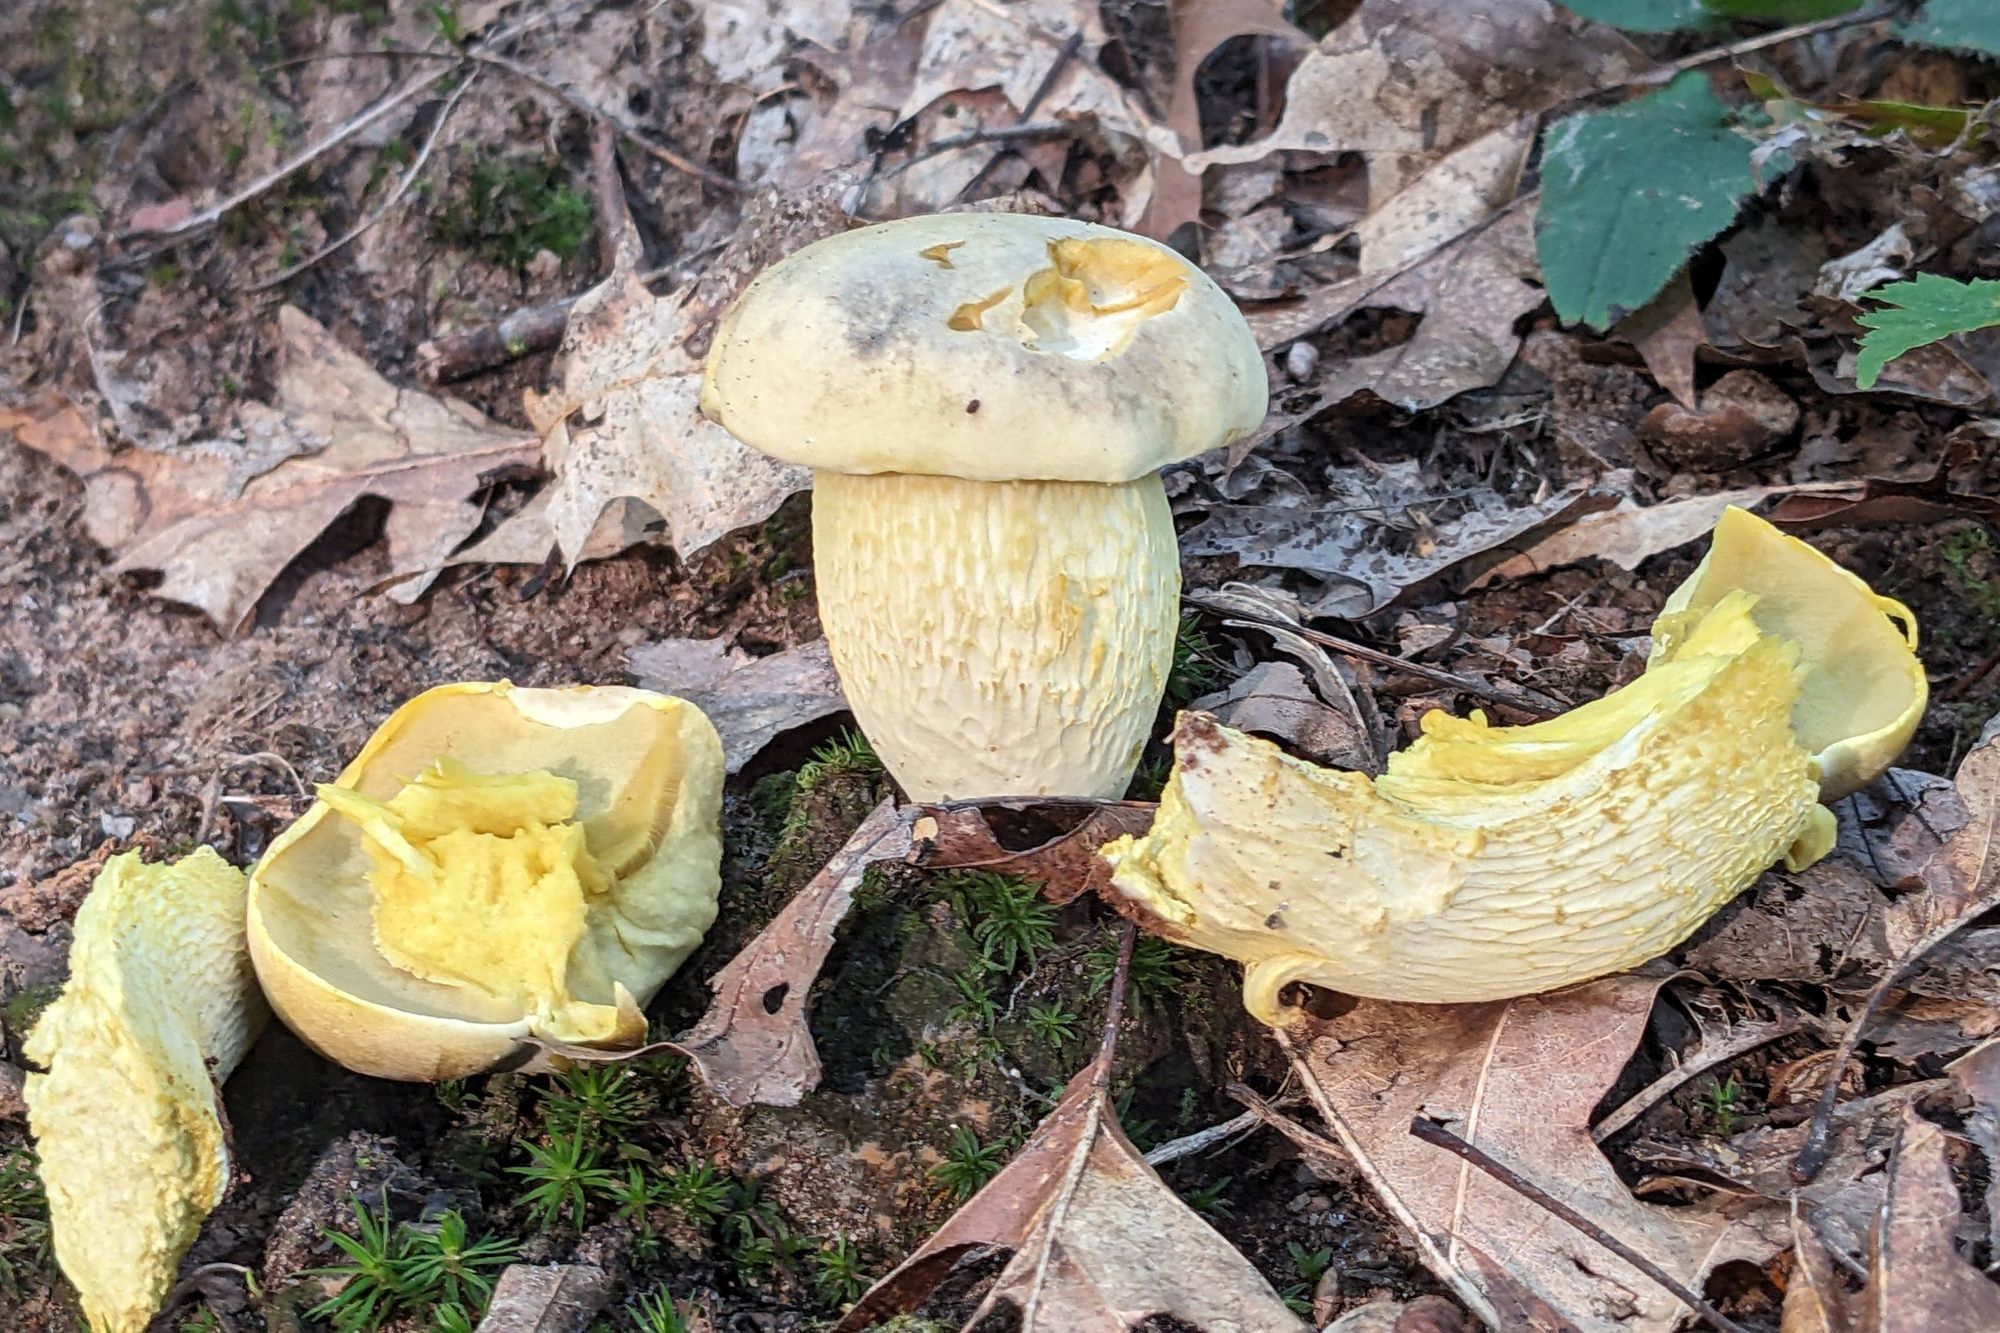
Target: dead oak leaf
(750,700)
(1918,1282)
(1518,1079)
(1099,1241)
(625,422)
(218,540)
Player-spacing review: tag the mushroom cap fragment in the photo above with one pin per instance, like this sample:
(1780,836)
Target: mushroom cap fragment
(497,863)
(1862,690)
(1490,862)
(985,346)
(160,1006)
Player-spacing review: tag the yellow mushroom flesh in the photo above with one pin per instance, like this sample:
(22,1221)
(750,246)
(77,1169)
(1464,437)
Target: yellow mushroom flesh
(159,1008)
(497,864)
(1489,862)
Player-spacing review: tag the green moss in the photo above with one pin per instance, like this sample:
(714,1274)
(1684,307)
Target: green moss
(21,1012)
(509,209)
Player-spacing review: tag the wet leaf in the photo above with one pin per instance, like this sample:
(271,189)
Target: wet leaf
(218,540)
(1049,842)
(1518,1079)
(1627,194)
(751,700)
(1978,1075)
(1098,1240)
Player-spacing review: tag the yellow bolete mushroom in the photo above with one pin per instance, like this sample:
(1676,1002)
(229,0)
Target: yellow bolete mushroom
(497,863)
(986,401)
(1490,862)
(159,1008)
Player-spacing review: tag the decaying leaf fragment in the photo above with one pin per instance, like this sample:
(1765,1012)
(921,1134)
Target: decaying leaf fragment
(1493,862)
(160,1007)
(1098,1240)
(496,863)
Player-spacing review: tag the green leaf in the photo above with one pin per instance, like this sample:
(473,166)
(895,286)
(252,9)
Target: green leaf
(1967,25)
(1628,193)
(1782,11)
(1641,15)
(1919,312)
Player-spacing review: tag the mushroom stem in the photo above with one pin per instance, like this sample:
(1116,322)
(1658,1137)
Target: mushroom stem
(1045,611)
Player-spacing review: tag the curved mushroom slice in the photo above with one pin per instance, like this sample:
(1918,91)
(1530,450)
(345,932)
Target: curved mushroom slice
(160,1007)
(1490,862)
(496,863)
(1863,689)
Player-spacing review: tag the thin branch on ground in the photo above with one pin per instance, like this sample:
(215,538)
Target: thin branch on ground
(396,195)
(1432,1132)
(1649,1096)
(1760,42)
(304,157)
(1005,134)
(1187,1145)
(1534,703)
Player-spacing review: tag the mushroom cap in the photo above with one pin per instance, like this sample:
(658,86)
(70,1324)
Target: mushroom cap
(648,774)
(987,346)
(1863,689)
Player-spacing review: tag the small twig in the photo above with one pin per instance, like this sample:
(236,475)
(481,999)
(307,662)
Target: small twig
(1707,1058)
(1980,671)
(1114,1008)
(402,188)
(1758,43)
(532,328)
(1533,703)
(340,134)
(1435,1134)
(972,138)
(1187,1145)
(1070,47)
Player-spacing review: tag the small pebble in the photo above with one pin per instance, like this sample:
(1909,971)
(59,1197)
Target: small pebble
(117,826)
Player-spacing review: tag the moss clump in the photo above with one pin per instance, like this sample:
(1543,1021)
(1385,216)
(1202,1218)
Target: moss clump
(511,208)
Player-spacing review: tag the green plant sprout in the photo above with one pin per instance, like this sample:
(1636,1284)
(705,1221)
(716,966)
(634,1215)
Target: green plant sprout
(968,1164)
(564,1175)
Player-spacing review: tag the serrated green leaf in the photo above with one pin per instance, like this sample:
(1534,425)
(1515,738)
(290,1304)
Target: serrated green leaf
(1627,195)
(1919,312)
(1641,15)
(1965,25)
(1782,11)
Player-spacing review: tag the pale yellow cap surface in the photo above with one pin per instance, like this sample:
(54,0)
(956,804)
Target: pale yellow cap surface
(987,346)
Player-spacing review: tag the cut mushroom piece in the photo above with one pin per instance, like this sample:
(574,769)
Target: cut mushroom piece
(986,400)
(1864,689)
(159,1008)
(1490,862)
(497,863)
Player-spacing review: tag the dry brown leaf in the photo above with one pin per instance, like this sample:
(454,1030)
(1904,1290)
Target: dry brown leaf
(1100,1243)
(1815,1300)
(1668,331)
(558,1298)
(1978,1074)
(1199,26)
(1632,533)
(1344,543)
(1049,842)
(751,701)
(218,540)
(1407,82)
(1919,1283)
(1471,293)
(753,1045)
(746,41)
(1518,1079)
(1960,881)
(624,422)
(1272,699)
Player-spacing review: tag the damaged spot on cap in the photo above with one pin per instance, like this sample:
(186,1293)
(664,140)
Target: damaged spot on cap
(940,254)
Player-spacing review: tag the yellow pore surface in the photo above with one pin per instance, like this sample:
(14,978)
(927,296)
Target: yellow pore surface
(1489,861)
(159,1007)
